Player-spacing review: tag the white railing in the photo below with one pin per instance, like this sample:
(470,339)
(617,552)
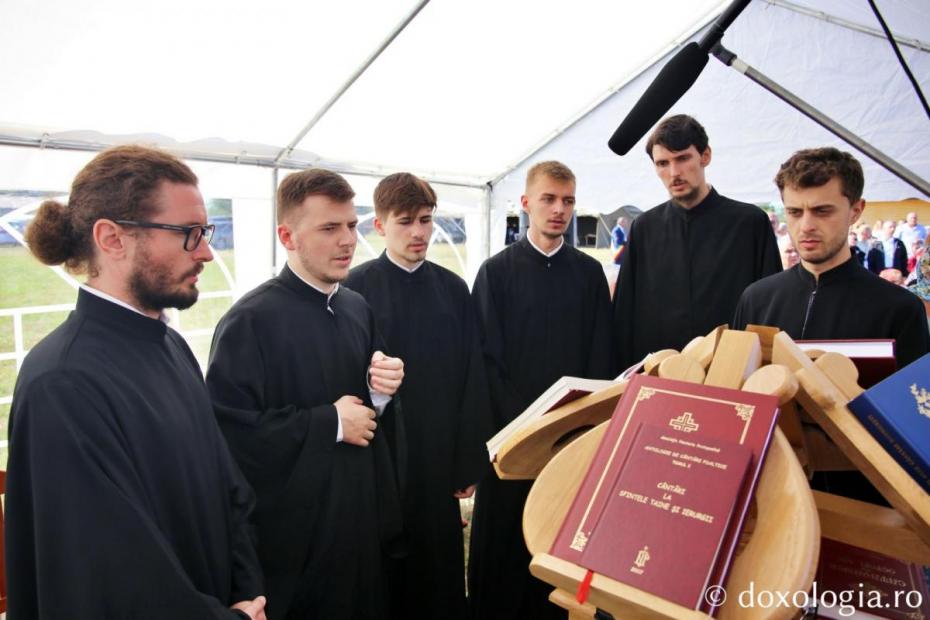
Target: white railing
(20,351)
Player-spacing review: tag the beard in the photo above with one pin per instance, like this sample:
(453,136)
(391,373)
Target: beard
(152,287)
(828,253)
(688,198)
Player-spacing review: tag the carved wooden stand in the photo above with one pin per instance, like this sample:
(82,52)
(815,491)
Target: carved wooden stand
(784,536)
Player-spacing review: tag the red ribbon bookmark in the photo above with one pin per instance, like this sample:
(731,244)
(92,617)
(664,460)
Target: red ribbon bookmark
(584,588)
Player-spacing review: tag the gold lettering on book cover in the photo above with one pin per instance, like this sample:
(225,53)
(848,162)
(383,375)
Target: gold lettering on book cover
(684,423)
(580,539)
(922,398)
(745,412)
(579,542)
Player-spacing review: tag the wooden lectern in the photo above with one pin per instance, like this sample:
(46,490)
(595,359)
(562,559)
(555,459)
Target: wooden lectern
(782,539)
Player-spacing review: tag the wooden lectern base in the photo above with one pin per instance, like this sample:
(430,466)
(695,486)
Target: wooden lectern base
(780,556)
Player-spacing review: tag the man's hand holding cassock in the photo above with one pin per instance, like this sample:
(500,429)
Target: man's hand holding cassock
(358,421)
(385,373)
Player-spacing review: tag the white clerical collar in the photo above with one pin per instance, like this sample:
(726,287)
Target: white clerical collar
(407,269)
(119,302)
(329,295)
(546,254)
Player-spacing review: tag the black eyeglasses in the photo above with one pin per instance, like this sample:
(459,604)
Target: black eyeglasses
(193,235)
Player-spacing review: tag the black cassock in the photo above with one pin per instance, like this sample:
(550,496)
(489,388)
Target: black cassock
(684,271)
(122,499)
(542,318)
(846,302)
(327,512)
(427,319)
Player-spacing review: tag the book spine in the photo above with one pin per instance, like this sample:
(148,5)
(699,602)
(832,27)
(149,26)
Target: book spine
(735,528)
(891,440)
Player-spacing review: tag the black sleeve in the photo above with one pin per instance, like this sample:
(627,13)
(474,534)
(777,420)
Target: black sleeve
(505,398)
(770,256)
(912,340)
(269,443)
(474,422)
(742,313)
(623,305)
(72,484)
(602,360)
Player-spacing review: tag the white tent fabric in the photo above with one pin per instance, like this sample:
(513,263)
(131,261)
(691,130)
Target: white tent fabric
(465,93)
(465,90)
(850,76)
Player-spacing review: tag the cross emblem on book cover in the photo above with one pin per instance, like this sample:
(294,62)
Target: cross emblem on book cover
(684,423)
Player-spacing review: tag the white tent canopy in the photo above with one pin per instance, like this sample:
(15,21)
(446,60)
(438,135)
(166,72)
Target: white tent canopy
(467,94)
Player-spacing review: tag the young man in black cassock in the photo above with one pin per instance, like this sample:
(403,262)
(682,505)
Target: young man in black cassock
(122,500)
(297,381)
(544,310)
(426,316)
(688,259)
(830,295)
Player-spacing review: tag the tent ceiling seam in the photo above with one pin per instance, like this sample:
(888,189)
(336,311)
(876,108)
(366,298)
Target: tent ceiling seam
(629,77)
(242,158)
(286,151)
(851,25)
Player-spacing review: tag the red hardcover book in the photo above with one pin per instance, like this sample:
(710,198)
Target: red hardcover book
(857,583)
(703,411)
(665,518)
(874,359)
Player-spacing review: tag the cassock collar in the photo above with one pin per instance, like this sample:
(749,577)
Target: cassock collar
(702,207)
(839,274)
(119,302)
(399,266)
(538,249)
(293,281)
(92,306)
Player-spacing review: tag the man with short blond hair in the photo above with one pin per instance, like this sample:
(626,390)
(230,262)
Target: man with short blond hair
(297,380)
(544,311)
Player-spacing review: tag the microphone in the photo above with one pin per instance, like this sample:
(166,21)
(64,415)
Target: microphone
(673,81)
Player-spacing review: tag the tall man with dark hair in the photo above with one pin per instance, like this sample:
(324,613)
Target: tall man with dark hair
(688,259)
(544,311)
(296,380)
(122,499)
(829,295)
(427,317)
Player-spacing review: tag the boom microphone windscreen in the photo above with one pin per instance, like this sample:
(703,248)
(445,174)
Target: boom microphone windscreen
(673,81)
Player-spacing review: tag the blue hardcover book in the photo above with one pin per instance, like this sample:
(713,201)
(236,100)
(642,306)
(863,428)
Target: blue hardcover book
(896,412)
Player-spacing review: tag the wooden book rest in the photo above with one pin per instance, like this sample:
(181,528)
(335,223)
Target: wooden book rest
(783,540)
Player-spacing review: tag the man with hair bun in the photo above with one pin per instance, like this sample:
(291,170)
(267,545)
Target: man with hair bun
(122,499)
(427,317)
(687,259)
(544,311)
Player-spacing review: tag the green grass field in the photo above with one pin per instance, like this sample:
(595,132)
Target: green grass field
(25,282)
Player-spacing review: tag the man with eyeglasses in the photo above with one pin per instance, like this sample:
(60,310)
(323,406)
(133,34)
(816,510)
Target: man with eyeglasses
(123,500)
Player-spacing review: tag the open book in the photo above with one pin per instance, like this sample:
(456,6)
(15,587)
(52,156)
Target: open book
(562,392)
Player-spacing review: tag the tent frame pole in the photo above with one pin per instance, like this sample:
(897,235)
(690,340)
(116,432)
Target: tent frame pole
(885,161)
(286,151)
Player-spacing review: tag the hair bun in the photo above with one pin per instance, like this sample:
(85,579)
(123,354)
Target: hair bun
(50,234)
